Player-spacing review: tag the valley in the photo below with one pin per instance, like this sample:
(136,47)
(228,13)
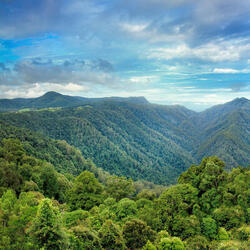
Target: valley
(134,138)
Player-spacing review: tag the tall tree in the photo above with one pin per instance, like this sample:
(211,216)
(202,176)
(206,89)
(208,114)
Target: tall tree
(86,192)
(120,187)
(137,233)
(46,230)
(111,236)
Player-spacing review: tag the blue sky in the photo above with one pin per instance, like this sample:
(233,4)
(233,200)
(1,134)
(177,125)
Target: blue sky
(188,52)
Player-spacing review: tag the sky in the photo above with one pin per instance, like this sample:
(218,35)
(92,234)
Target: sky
(188,52)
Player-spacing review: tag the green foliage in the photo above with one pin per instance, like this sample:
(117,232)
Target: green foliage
(84,238)
(209,178)
(30,186)
(149,246)
(233,245)
(186,227)
(11,155)
(171,243)
(86,192)
(46,179)
(243,233)
(209,227)
(160,235)
(65,158)
(143,204)
(126,208)
(176,200)
(25,173)
(197,242)
(208,209)
(207,175)
(23,213)
(46,230)
(147,194)
(119,187)
(117,136)
(138,139)
(74,218)
(7,203)
(229,217)
(137,233)
(111,236)
(222,234)
(12,150)
(5,242)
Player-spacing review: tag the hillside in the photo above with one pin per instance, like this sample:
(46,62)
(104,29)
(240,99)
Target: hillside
(65,158)
(54,99)
(115,137)
(226,132)
(134,138)
(43,209)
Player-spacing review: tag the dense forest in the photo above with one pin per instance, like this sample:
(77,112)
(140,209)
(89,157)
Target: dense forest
(133,138)
(41,208)
(87,177)
(147,145)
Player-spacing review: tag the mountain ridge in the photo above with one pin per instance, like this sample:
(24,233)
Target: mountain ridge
(144,140)
(8,104)
(54,99)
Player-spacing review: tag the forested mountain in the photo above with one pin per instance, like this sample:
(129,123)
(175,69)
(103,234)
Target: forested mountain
(65,159)
(43,209)
(134,138)
(214,113)
(54,99)
(52,197)
(225,132)
(115,137)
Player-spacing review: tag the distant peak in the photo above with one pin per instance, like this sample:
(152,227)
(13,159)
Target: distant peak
(51,94)
(140,99)
(131,99)
(240,100)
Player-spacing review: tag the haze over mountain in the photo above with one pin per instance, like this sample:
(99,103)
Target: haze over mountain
(132,137)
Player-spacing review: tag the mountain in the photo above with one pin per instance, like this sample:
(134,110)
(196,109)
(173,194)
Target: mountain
(215,113)
(120,137)
(134,138)
(226,132)
(54,99)
(65,158)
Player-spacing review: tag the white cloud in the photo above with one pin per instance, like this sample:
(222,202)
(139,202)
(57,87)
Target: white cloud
(73,87)
(38,89)
(143,79)
(22,92)
(230,71)
(225,71)
(218,51)
(133,27)
(191,97)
